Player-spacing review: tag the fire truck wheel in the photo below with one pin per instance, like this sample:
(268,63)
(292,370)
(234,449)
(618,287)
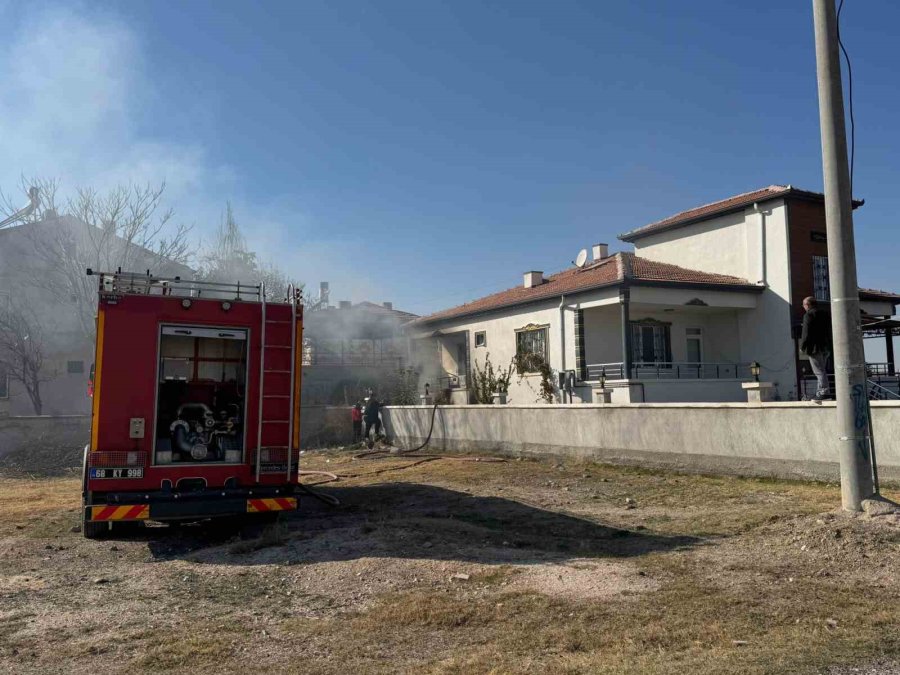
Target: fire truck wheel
(91,529)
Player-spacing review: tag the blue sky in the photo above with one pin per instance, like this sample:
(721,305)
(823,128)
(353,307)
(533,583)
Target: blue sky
(429,152)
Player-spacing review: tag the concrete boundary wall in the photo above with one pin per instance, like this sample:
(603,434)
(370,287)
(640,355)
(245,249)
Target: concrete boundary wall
(17,433)
(784,440)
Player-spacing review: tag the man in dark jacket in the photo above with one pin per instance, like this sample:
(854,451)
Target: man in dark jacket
(815,342)
(373,407)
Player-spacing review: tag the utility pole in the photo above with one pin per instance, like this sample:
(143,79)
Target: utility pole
(853,426)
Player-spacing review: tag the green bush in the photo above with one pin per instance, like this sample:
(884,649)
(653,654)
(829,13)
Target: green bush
(486,381)
(532,362)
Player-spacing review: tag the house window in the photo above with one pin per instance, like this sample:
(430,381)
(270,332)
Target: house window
(651,342)
(480,338)
(75,367)
(4,383)
(821,284)
(694,345)
(532,339)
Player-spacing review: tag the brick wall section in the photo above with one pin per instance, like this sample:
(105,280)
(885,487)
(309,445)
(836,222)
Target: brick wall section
(804,218)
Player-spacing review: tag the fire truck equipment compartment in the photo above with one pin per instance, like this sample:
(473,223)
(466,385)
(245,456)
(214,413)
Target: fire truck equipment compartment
(201,389)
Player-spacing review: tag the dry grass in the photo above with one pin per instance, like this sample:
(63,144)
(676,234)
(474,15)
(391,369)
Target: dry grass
(272,535)
(688,627)
(39,506)
(742,576)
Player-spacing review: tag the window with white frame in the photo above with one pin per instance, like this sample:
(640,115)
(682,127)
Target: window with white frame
(480,338)
(694,349)
(821,283)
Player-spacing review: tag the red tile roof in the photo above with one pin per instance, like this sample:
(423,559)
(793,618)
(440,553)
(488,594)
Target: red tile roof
(381,309)
(723,206)
(876,294)
(611,271)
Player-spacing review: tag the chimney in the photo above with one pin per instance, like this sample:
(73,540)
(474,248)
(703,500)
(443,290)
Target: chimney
(533,279)
(344,304)
(387,305)
(601,251)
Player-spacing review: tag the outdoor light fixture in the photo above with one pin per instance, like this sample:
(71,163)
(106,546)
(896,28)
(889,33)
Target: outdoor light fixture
(754,370)
(226,306)
(186,303)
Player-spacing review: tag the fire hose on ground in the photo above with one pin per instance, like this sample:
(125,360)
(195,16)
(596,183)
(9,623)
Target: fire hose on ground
(373,454)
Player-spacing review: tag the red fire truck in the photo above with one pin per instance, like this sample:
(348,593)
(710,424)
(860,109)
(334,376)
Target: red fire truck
(196,402)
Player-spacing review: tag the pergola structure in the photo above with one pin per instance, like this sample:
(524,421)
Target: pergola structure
(874,327)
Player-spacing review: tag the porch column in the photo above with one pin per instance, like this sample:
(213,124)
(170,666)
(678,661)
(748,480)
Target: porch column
(580,365)
(624,302)
(889,349)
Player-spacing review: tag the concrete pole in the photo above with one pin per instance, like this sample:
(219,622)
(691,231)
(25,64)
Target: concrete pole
(849,357)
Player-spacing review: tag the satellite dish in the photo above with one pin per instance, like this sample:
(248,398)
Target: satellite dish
(582,258)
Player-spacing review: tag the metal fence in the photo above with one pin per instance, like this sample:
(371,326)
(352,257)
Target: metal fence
(372,360)
(675,370)
(880,387)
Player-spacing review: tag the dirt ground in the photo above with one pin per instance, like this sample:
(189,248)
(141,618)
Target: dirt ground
(454,566)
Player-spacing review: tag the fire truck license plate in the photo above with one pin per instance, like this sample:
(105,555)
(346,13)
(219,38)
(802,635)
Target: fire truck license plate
(118,473)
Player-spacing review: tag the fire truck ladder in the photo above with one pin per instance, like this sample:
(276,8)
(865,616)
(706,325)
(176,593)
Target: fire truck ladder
(276,381)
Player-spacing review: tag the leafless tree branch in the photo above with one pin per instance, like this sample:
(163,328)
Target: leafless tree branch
(22,351)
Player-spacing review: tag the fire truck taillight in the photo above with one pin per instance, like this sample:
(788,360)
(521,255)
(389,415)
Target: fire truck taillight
(265,456)
(131,458)
(186,303)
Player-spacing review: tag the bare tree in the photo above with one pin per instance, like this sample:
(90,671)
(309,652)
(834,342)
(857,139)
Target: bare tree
(48,189)
(126,228)
(229,260)
(22,352)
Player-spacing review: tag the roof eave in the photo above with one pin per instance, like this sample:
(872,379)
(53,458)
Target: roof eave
(634,235)
(880,297)
(700,286)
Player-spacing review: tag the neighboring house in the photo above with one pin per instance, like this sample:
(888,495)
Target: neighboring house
(54,302)
(705,293)
(350,348)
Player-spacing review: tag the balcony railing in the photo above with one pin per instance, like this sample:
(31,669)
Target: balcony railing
(369,360)
(672,370)
(879,369)
(879,387)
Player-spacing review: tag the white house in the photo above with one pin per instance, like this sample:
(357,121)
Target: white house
(30,256)
(705,293)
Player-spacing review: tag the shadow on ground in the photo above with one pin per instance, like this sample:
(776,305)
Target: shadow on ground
(407,520)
